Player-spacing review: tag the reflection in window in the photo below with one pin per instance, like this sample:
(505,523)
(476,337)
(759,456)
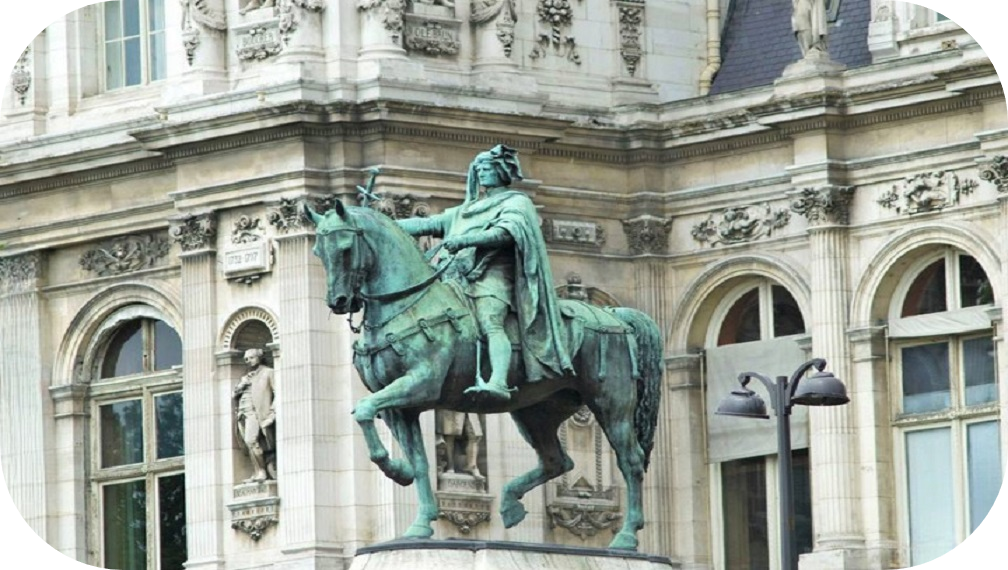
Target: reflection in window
(974,287)
(172,522)
(124,509)
(983,464)
(167,346)
(742,323)
(142,345)
(932,510)
(927,293)
(169,425)
(787,318)
(125,353)
(121,433)
(744,503)
(134,42)
(926,378)
(978,370)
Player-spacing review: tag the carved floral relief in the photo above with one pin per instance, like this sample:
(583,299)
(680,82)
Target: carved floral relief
(194,231)
(197,17)
(647,234)
(556,18)
(124,255)
(21,77)
(996,172)
(631,21)
(740,224)
(927,192)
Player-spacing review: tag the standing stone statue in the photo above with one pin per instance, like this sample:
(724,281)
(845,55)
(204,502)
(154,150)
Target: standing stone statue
(256,416)
(500,249)
(453,425)
(808,20)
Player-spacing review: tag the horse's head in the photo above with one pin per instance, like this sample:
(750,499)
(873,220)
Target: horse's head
(340,245)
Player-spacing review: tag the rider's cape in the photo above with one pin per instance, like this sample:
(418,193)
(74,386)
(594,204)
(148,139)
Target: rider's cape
(535,301)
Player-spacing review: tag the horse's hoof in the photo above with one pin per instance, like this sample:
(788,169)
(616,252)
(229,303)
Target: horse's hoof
(417,530)
(624,541)
(401,472)
(513,514)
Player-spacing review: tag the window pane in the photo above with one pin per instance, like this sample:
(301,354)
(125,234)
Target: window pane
(158,60)
(155,15)
(125,525)
(168,409)
(927,293)
(113,22)
(978,369)
(131,47)
(113,65)
(172,521)
(167,346)
(742,323)
(125,353)
(984,467)
(787,318)
(745,514)
(932,513)
(131,18)
(974,287)
(926,378)
(121,433)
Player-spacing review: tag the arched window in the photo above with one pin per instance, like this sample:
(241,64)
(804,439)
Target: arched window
(765,311)
(138,464)
(944,401)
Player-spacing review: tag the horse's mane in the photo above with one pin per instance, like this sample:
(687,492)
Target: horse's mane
(376,223)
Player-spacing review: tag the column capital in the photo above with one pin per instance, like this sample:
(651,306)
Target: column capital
(826,205)
(20,273)
(195,232)
(647,234)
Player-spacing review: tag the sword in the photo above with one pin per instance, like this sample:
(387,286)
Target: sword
(367,194)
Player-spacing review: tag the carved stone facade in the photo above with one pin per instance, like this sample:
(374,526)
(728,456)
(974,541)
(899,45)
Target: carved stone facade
(927,192)
(576,233)
(740,225)
(554,34)
(996,172)
(631,24)
(259,42)
(389,12)
(647,234)
(504,15)
(826,205)
(125,254)
(194,232)
(21,77)
(198,18)
(20,273)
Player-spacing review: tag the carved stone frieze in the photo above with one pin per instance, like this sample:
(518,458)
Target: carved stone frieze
(631,25)
(465,510)
(259,42)
(21,77)
(574,232)
(464,520)
(927,192)
(246,230)
(741,224)
(286,216)
(556,18)
(198,17)
(827,205)
(431,36)
(504,13)
(390,13)
(194,231)
(996,172)
(647,234)
(399,206)
(584,509)
(125,254)
(20,273)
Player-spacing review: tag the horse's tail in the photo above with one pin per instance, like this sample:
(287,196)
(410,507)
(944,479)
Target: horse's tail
(649,376)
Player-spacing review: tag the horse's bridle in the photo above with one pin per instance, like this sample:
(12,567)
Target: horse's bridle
(359,269)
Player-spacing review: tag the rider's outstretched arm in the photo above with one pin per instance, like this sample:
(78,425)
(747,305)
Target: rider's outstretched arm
(493,237)
(432,226)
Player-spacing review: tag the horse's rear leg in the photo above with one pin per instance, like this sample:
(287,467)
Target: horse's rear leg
(619,429)
(538,425)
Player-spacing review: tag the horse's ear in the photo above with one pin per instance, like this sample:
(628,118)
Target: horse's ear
(340,208)
(310,213)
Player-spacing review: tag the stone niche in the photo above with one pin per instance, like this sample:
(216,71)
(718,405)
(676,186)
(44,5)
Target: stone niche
(432,29)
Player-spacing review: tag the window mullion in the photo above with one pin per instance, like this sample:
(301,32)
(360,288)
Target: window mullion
(766,310)
(952,297)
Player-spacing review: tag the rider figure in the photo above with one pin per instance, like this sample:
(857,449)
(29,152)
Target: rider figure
(500,250)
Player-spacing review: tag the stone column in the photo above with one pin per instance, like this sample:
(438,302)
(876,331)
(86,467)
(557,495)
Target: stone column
(69,477)
(203,406)
(869,393)
(833,454)
(24,402)
(381,37)
(315,449)
(301,30)
(679,471)
(202,68)
(494,24)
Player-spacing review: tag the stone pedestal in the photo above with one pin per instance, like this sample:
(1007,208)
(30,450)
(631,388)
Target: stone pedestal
(499,555)
(255,508)
(463,500)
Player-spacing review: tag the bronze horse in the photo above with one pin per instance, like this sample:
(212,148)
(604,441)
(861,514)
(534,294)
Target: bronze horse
(418,351)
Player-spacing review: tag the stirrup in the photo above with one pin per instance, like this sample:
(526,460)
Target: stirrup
(494,391)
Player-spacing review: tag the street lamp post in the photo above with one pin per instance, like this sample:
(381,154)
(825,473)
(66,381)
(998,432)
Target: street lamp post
(820,389)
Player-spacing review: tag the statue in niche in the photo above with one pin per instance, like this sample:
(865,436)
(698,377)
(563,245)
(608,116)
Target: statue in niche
(808,20)
(255,416)
(451,426)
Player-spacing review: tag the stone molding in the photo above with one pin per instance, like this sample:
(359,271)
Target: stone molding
(194,232)
(125,254)
(631,27)
(20,273)
(826,205)
(740,224)
(555,20)
(647,234)
(574,232)
(584,510)
(246,230)
(927,192)
(996,172)
(466,506)
(244,315)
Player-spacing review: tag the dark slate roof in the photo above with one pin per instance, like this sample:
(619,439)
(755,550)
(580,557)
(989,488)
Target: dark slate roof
(757,42)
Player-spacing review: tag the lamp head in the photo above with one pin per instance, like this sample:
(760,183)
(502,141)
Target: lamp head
(820,389)
(744,403)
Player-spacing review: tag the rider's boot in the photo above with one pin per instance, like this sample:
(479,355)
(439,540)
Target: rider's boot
(499,347)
